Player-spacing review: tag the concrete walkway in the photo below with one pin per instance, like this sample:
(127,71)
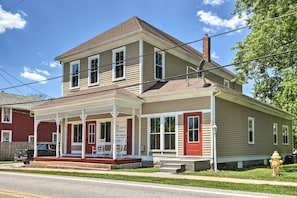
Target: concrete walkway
(159,175)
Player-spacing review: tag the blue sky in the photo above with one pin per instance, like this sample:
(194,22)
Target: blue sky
(34,32)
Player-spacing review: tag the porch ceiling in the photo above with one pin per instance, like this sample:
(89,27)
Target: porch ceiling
(93,101)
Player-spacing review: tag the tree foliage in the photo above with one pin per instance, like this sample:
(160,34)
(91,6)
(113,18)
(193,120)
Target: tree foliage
(273,25)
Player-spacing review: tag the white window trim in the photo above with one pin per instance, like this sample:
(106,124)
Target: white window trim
(53,137)
(287,134)
(226,83)
(70,74)
(30,137)
(275,132)
(72,134)
(162,132)
(89,69)
(121,49)
(163,61)
(10,115)
(253,129)
(10,135)
(94,133)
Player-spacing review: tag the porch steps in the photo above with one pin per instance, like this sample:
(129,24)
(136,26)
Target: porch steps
(172,167)
(70,165)
(190,164)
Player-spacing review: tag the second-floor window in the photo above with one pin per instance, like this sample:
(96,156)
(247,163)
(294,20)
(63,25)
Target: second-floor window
(93,68)
(118,63)
(6,115)
(159,67)
(74,74)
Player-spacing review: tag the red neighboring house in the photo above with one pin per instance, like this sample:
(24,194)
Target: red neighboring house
(17,120)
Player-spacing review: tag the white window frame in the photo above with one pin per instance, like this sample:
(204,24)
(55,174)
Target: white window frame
(226,83)
(285,133)
(3,115)
(198,129)
(275,133)
(251,129)
(92,133)
(9,137)
(54,137)
(30,137)
(77,62)
(162,132)
(156,50)
(90,59)
(114,65)
(72,134)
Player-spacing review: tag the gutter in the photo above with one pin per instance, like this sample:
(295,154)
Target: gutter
(214,129)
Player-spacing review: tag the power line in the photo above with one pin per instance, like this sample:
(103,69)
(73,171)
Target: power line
(167,49)
(166,79)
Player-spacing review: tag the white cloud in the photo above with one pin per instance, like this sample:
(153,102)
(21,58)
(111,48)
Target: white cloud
(55,64)
(42,72)
(214,2)
(208,30)
(10,21)
(34,75)
(211,19)
(214,55)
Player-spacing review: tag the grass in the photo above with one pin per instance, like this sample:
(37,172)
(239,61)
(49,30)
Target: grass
(288,173)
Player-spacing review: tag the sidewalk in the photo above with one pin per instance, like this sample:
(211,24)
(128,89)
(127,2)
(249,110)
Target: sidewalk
(160,175)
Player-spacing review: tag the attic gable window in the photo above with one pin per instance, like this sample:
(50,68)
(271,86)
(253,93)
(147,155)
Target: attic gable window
(159,67)
(93,68)
(118,63)
(6,115)
(74,74)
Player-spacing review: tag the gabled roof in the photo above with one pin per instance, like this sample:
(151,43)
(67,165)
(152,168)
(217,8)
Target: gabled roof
(16,101)
(132,25)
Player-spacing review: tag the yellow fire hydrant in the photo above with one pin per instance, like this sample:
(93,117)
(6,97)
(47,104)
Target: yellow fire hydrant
(275,163)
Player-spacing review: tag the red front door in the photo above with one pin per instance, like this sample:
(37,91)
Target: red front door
(91,136)
(192,134)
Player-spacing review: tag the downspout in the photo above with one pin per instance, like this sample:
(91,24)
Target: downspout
(214,129)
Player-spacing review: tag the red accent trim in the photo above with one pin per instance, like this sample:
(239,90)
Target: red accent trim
(129,136)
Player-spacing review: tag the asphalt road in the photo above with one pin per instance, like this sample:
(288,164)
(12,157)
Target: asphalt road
(42,186)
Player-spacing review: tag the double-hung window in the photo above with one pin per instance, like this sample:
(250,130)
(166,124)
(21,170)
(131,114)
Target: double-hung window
(285,130)
(92,131)
(105,132)
(118,63)
(251,130)
(163,131)
(275,134)
(155,126)
(74,74)
(159,66)
(93,68)
(6,136)
(77,133)
(6,115)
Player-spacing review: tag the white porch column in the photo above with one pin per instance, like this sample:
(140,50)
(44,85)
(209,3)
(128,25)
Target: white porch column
(35,136)
(133,132)
(114,128)
(83,143)
(139,134)
(65,135)
(57,119)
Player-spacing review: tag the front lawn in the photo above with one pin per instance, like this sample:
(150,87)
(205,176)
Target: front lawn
(288,173)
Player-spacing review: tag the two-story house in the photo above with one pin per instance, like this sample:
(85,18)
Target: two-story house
(161,98)
(17,120)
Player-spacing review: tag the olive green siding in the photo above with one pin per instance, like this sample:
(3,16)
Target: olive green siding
(177,105)
(105,70)
(232,131)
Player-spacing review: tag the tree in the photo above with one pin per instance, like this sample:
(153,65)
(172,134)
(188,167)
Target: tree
(273,25)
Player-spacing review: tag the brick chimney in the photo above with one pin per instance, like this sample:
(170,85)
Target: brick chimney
(206,47)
